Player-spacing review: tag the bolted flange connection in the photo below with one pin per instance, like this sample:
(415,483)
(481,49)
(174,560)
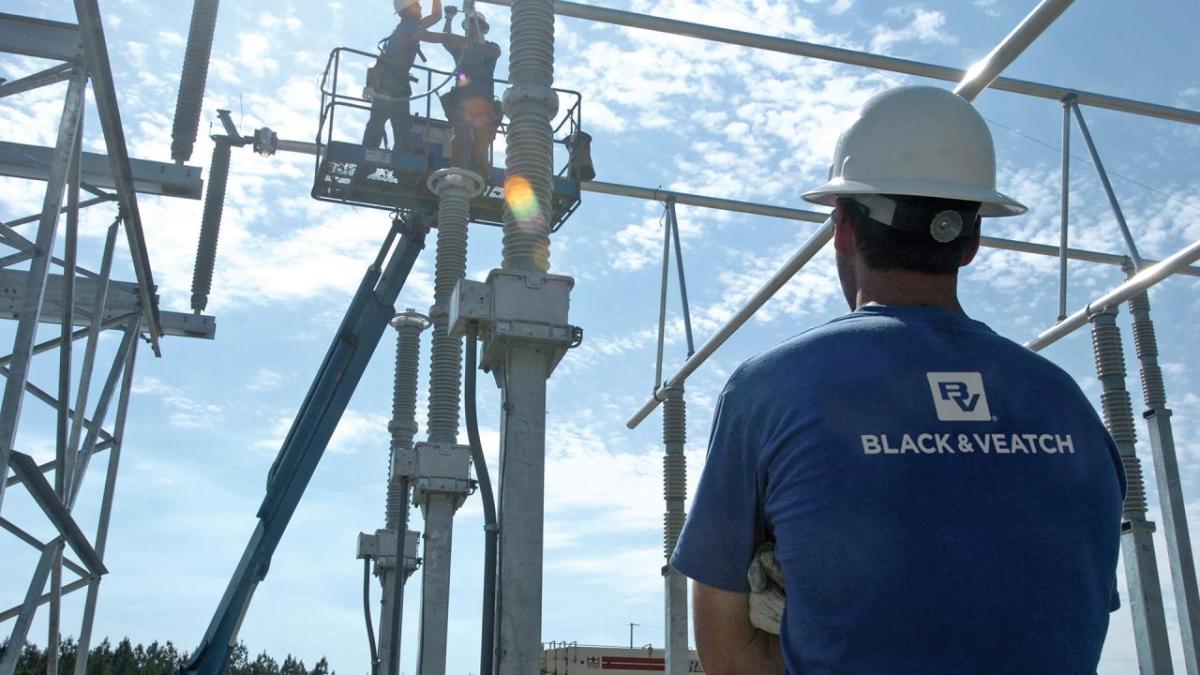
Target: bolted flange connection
(518,95)
(455,182)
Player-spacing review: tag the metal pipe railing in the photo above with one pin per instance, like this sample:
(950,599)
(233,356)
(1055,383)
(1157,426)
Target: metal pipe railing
(1144,279)
(858,58)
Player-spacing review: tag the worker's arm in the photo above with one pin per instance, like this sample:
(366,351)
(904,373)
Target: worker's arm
(727,643)
(434,16)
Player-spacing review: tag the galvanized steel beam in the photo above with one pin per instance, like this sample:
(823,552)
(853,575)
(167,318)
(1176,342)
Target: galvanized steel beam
(39,38)
(19,160)
(96,52)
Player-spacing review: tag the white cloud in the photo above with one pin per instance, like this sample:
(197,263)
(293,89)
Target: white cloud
(265,379)
(355,431)
(924,25)
(186,411)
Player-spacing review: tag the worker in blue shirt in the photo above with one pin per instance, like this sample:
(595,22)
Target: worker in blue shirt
(924,495)
(389,78)
(471,106)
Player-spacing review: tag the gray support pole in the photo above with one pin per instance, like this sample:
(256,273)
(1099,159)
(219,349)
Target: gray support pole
(522,508)
(403,428)
(1137,540)
(683,296)
(106,500)
(662,305)
(1108,189)
(981,74)
(674,493)
(455,188)
(31,304)
(530,103)
(62,463)
(1166,471)
(1064,209)
(89,350)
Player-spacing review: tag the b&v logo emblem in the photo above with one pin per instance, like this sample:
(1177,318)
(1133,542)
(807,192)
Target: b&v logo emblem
(959,397)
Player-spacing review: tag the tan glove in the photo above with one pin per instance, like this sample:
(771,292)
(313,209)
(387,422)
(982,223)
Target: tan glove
(766,589)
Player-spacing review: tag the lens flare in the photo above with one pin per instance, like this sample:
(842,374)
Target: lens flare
(518,195)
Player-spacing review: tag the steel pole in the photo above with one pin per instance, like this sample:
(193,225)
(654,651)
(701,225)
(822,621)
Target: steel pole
(673,221)
(1166,471)
(106,501)
(1108,188)
(1064,211)
(31,304)
(522,509)
(62,417)
(983,73)
(662,306)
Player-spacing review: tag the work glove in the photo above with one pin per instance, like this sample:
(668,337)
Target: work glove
(766,589)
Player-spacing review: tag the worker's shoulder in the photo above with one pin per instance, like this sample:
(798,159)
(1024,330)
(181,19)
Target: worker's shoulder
(816,345)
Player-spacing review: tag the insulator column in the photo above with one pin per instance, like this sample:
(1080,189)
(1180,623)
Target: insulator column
(674,493)
(1166,471)
(403,427)
(530,103)
(1137,541)
(210,223)
(193,79)
(443,466)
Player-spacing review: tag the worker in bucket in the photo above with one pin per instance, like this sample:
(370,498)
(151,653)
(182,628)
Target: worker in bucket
(471,106)
(388,80)
(924,495)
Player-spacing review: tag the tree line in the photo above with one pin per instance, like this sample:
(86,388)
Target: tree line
(156,659)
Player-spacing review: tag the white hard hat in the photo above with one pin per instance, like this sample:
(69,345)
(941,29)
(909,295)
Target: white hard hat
(919,142)
(477,18)
(402,5)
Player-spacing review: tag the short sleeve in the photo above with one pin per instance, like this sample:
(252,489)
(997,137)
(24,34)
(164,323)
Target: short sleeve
(725,522)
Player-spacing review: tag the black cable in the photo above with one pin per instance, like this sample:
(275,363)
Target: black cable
(491,527)
(367,611)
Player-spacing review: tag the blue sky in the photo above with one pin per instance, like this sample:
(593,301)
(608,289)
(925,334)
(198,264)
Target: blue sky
(719,120)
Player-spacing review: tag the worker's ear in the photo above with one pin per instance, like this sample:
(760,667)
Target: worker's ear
(844,240)
(972,246)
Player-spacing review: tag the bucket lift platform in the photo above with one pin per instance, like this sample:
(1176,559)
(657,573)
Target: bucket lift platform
(397,181)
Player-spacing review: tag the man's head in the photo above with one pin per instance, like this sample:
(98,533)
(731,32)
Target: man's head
(910,179)
(475,26)
(408,8)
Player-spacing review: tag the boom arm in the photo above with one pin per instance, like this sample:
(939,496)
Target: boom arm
(339,374)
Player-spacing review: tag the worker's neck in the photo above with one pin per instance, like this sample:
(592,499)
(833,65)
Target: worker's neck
(894,287)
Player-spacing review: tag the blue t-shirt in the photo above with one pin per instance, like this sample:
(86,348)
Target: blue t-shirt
(942,499)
